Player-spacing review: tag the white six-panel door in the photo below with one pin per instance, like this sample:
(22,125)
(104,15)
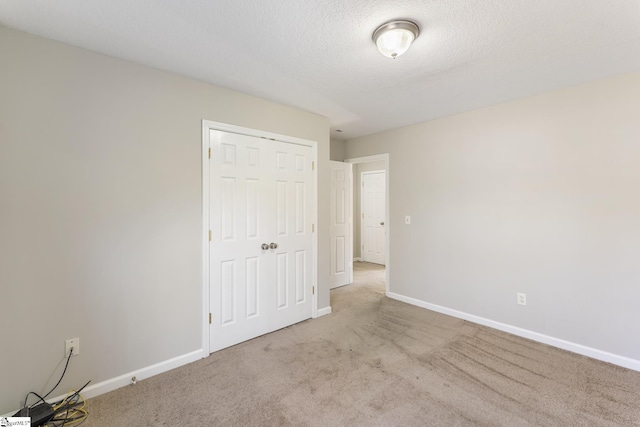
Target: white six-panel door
(340,227)
(292,205)
(260,263)
(373,216)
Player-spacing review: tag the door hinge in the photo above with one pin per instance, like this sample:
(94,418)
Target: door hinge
(363,246)
(313,290)
(313,228)
(362,214)
(313,166)
(210,318)
(210,236)
(209,152)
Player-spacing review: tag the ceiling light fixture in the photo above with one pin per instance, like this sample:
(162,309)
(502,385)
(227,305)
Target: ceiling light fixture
(394,38)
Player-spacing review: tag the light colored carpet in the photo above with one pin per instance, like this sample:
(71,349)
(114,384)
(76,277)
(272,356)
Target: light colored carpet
(377,361)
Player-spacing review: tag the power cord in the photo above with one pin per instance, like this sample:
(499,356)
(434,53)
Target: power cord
(63,372)
(69,411)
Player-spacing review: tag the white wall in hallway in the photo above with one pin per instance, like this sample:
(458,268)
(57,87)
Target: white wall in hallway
(337,150)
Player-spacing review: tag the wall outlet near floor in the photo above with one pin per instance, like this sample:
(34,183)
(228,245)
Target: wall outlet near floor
(407,219)
(522,299)
(73,342)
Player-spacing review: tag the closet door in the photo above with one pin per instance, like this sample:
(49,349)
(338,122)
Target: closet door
(261,241)
(239,217)
(291,169)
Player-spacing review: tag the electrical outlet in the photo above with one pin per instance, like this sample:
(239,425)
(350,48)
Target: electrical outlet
(73,342)
(407,219)
(522,299)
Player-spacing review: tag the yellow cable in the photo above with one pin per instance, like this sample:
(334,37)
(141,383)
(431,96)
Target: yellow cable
(77,411)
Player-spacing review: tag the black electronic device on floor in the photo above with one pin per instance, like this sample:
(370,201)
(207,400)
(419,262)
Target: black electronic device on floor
(39,414)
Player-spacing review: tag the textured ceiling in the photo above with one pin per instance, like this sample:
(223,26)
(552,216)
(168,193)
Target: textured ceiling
(318,55)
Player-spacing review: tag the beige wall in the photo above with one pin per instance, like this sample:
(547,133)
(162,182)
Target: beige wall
(539,195)
(337,150)
(100,192)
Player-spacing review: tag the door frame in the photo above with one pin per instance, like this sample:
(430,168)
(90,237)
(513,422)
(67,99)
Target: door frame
(208,125)
(374,158)
(362,224)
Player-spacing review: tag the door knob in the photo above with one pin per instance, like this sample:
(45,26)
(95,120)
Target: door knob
(265,246)
(273,245)
(382,223)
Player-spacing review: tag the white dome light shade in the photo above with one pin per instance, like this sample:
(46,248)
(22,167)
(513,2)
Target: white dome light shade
(394,38)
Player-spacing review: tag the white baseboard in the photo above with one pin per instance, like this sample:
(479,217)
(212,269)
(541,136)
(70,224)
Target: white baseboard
(357,260)
(140,374)
(594,353)
(324,311)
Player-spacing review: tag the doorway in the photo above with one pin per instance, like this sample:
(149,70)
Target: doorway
(372,217)
(370,165)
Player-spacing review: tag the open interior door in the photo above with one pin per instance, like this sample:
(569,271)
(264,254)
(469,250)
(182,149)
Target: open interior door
(341,228)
